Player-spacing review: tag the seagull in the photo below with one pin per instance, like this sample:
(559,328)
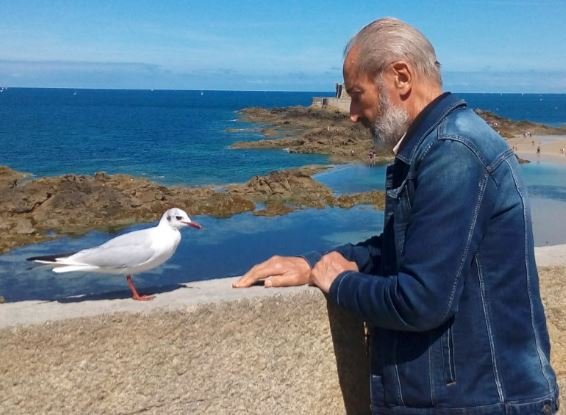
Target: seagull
(127,254)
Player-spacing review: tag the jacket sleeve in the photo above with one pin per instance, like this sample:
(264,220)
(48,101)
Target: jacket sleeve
(366,254)
(448,216)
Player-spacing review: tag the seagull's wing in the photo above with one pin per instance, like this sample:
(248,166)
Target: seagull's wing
(126,251)
(141,237)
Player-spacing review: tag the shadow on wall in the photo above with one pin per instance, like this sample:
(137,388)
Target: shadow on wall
(352,359)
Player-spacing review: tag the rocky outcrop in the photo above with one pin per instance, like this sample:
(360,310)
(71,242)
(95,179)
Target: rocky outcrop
(315,130)
(312,131)
(511,128)
(281,189)
(36,210)
(72,204)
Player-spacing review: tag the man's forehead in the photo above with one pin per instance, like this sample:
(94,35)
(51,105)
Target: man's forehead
(351,59)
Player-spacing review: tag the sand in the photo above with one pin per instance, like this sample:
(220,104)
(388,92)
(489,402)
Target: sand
(550,147)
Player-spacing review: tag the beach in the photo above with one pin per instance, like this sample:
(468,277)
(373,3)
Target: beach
(550,147)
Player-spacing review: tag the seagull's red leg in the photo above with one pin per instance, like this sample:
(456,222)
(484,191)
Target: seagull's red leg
(135,294)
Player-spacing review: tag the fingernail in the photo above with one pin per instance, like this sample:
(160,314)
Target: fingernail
(268,283)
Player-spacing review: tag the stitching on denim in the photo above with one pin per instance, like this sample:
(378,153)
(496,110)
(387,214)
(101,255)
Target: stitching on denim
(489,332)
(465,142)
(483,184)
(338,288)
(458,106)
(430,380)
(528,274)
(400,393)
(500,159)
(426,150)
(451,359)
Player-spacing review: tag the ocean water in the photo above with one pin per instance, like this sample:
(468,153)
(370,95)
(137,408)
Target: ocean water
(183,137)
(173,137)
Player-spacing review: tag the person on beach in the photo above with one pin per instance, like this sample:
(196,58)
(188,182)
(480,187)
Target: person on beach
(449,290)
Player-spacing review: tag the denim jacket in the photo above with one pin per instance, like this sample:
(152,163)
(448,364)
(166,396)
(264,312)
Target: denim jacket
(450,288)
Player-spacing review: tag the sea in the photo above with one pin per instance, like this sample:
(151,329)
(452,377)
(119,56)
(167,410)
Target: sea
(184,138)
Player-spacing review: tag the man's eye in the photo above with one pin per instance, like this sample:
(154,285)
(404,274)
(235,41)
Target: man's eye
(178,217)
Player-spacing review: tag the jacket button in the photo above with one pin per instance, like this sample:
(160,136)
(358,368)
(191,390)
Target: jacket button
(546,409)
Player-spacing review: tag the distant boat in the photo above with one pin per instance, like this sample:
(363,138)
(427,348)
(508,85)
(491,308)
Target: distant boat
(75,93)
(201,93)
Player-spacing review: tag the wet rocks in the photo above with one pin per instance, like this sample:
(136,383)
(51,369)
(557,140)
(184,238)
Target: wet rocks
(36,210)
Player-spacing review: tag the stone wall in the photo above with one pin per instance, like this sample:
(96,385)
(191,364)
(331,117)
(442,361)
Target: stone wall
(205,348)
(261,355)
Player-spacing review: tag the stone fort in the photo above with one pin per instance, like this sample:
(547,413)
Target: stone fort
(340,102)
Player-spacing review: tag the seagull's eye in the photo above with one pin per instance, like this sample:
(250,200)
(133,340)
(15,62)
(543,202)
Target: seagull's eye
(178,217)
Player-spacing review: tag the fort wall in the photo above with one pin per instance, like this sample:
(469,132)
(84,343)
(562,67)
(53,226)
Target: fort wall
(340,102)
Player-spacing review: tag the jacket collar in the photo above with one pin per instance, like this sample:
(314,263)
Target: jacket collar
(426,121)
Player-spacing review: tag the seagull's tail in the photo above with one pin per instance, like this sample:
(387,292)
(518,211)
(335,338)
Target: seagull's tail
(50,259)
(70,268)
(61,263)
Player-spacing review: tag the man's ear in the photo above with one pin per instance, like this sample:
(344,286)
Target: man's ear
(403,77)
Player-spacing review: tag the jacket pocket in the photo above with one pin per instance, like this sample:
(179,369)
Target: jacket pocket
(400,208)
(377,394)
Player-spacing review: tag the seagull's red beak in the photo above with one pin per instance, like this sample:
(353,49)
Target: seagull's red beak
(193,225)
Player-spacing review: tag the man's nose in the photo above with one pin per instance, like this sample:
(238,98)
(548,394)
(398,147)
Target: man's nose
(354,114)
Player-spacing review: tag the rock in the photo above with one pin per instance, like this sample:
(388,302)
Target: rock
(289,188)
(313,131)
(9,178)
(24,227)
(511,128)
(375,198)
(325,131)
(35,210)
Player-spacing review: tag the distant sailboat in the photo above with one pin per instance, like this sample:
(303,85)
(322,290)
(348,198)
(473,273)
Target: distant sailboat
(201,93)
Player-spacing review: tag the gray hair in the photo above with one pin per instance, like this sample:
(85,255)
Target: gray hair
(386,40)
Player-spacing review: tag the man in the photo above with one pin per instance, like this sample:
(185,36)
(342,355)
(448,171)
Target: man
(450,288)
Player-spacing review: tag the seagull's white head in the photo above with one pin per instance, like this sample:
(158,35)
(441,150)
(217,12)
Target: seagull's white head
(178,218)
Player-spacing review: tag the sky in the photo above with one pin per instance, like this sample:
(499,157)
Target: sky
(284,45)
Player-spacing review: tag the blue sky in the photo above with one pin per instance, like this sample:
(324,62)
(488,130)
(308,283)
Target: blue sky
(295,45)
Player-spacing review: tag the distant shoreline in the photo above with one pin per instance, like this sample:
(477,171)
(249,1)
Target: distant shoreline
(550,147)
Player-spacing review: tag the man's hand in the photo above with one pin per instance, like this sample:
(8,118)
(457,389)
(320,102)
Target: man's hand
(277,271)
(327,269)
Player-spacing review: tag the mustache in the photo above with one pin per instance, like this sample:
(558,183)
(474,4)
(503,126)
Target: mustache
(368,124)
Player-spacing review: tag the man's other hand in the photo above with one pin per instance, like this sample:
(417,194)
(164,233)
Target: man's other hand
(327,269)
(277,271)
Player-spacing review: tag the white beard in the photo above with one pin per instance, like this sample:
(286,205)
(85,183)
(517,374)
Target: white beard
(390,126)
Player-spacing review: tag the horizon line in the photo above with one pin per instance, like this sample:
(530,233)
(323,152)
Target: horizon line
(4,88)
